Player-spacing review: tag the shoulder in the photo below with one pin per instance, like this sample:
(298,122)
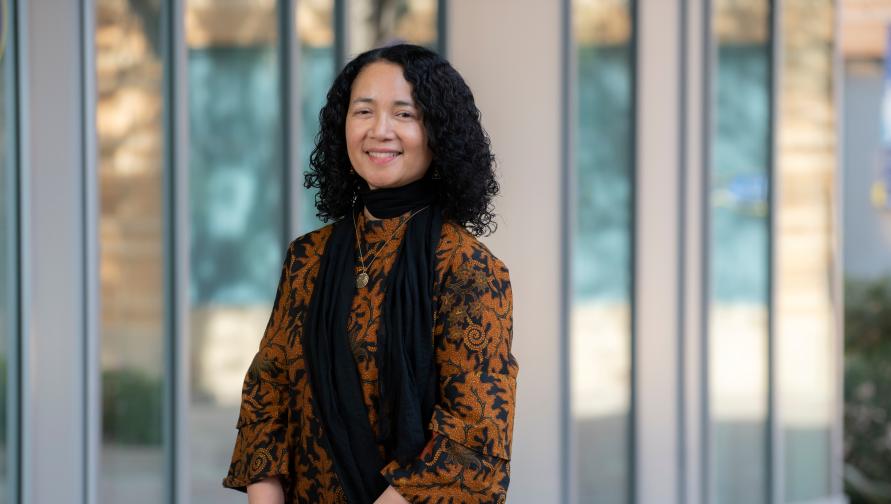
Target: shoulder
(311,244)
(462,254)
(304,253)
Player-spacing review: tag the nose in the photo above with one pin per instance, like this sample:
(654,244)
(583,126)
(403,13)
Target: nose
(381,129)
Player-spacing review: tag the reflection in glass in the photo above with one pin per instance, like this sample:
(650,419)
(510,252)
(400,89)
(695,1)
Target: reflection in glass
(739,254)
(805,238)
(129,121)
(315,30)
(866,168)
(237,217)
(8,247)
(373,23)
(600,314)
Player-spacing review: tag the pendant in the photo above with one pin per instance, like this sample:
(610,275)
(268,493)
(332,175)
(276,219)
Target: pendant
(361,280)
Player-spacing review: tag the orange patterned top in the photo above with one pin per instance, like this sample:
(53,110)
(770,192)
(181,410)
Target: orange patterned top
(467,456)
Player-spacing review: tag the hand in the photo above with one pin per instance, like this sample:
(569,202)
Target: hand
(391,496)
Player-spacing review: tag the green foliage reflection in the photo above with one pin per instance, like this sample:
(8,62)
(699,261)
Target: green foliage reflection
(131,407)
(868,391)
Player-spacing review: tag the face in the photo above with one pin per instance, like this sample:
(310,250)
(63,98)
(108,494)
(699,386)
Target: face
(386,140)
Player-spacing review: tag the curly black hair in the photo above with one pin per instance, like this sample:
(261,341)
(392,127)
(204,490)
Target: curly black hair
(462,156)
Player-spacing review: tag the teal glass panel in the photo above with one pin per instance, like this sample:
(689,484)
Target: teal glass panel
(602,228)
(739,252)
(237,216)
(316,37)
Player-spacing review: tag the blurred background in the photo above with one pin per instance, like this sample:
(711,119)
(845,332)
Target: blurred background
(695,209)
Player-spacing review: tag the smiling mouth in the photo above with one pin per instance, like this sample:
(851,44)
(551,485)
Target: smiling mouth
(383,157)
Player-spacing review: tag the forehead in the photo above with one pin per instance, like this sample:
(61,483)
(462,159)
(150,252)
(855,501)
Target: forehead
(381,81)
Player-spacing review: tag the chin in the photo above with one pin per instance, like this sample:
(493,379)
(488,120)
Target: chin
(385,182)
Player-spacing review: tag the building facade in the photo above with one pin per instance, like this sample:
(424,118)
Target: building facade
(669,211)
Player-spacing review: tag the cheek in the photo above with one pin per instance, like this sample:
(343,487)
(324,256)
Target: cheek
(417,140)
(421,153)
(353,134)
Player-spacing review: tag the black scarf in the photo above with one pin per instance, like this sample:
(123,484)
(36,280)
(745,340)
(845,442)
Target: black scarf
(404,357)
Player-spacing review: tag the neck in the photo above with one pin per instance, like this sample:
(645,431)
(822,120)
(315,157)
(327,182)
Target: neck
(391,202)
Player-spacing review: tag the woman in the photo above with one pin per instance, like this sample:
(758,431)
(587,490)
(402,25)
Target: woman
(385,374)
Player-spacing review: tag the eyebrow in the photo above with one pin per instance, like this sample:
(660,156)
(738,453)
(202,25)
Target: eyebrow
(399,103)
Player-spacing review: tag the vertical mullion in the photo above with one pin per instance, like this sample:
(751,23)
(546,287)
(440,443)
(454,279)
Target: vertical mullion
(92,299)
(289,62)
(341,37)
(709,99)
(13,221)
(682,284)
(176,257)
(442,28)
(692,167)
(836,442)
(632,471)
(656,243)
(774,441)
(52,282)
(23,256)
(568,433)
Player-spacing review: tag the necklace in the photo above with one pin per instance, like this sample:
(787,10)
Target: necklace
(362,277)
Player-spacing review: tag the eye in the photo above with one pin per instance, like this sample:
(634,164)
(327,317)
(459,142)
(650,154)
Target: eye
(361,112)
(405,115)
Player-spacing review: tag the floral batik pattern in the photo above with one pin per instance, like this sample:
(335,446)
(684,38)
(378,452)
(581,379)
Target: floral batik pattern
(467,458)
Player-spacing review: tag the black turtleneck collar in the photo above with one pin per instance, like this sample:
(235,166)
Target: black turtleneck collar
(393,202)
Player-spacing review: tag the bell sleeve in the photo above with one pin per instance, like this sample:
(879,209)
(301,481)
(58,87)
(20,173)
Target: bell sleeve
(468,456)
(261,444)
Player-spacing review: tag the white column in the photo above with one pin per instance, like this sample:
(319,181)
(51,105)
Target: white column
(53,258)
(509,53)
(656,245)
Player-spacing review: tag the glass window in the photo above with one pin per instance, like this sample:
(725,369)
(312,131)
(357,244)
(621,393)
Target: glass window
(866,174)
(602,227)
(372,24)
(237,216)
(9,240)
(805,307)
(130,127)
(316,36)
(739,253)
